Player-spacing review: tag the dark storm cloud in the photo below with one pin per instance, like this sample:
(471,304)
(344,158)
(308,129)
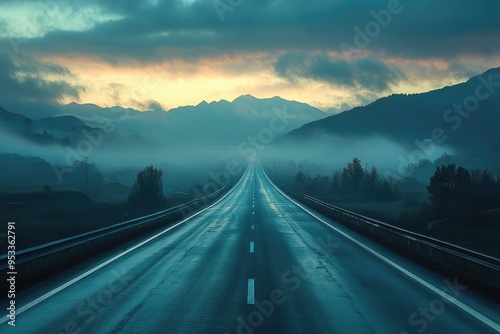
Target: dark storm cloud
(26,78)
(172,29)
(364,73)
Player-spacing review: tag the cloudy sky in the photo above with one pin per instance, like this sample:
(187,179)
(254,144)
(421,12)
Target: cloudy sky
(166,53)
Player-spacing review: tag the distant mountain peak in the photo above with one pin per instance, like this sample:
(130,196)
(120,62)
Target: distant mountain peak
(220,101)
(494,70)
(276,97)
(245,98)
(81,105)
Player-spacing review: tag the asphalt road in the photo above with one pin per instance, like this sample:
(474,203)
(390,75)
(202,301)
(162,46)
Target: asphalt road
(255,262)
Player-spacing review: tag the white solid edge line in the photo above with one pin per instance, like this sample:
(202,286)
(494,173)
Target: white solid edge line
(479,316)
(91,271)
(251,292)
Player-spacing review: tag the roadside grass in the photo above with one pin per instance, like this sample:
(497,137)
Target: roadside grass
(44,217)
(478,231)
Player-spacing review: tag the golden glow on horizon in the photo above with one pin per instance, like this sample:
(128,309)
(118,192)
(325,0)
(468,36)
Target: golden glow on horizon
(177,83)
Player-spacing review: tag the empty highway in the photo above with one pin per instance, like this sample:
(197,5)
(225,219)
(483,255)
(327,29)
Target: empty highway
(253,262)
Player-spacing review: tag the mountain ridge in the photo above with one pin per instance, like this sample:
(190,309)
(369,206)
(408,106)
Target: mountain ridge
(405,118)
(217,122)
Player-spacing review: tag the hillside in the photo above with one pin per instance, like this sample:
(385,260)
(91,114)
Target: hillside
(113,137)
(405,118)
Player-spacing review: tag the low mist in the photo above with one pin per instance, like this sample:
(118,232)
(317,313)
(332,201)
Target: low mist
(329,153)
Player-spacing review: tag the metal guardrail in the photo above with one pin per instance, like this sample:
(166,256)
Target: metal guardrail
(455,250)
(483,270)
(44,250)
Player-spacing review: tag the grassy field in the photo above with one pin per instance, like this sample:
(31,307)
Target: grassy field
(479,231)
(44,217)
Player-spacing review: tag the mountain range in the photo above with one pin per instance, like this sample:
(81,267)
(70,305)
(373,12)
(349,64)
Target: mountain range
(464,117)
(213,124)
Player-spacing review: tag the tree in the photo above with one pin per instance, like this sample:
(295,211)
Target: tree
(147,190)
(444,160)
(387,193)
(335,187)
(457,190)
(463,188)
(421,170)
(356,173)
(442,187)
(47,189)
(373,180)
(300,177)
(488,192)
(345,182)
(451,190)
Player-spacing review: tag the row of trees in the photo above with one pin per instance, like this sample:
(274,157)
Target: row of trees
(424,169)
(354,181)
(452,190)
(455,190)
